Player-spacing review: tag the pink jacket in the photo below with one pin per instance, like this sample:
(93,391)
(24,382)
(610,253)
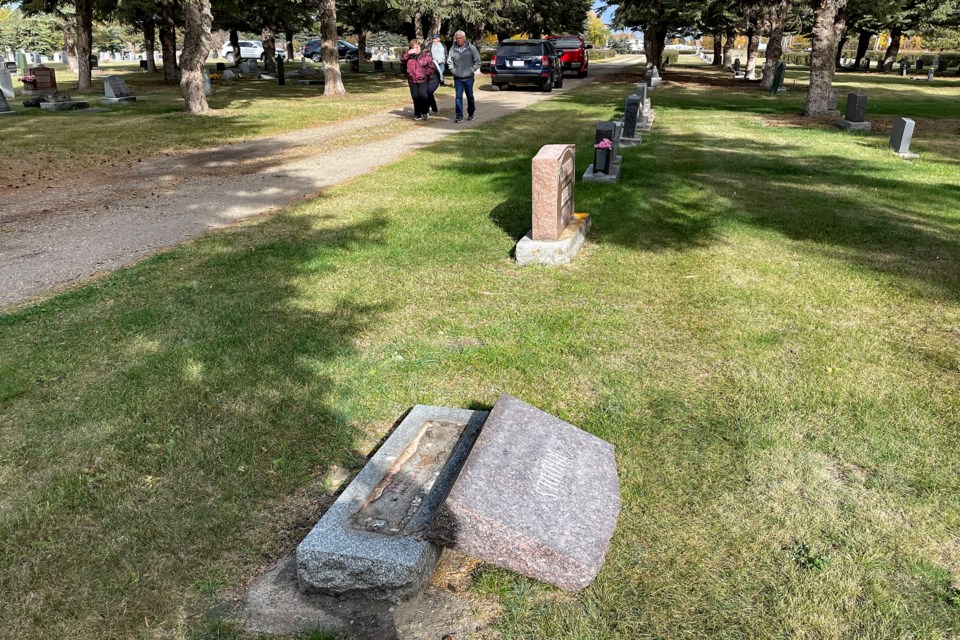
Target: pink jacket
(419,67)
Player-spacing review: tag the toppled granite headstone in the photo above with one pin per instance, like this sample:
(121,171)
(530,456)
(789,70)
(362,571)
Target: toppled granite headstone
(368,542)
(116,91)
(536,495)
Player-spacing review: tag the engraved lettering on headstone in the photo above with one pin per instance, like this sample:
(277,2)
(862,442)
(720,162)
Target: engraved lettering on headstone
(553,467)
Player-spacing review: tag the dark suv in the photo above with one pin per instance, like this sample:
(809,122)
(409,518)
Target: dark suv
(345,50)
(573,53)
(533,62)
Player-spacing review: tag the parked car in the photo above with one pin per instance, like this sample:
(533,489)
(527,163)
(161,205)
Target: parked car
(346,50)
(249,50)
(573,53)
(535,62)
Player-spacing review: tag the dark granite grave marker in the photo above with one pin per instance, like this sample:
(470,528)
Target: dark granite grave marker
(901,136)
(144,66)
(46,79)
(919,64)
(631,115)
(94,62)
(648,78)
(536,495)
(221,67)
(378,65)
(903,67)
(856,107)
(603,158)
(10,66)
(281,74)
(736,65)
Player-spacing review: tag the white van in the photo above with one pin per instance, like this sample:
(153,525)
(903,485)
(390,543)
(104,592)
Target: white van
(250,50)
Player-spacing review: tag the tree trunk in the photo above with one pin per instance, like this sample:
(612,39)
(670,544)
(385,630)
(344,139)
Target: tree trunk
(829,22)
(268,33)
(841,42)
(235,45)
(196,48)
(778,17)
(863,43)
(728,45)
(435,24)
(289,39)
(893,50)
(418,26)
(717,49)
(84,9)
(333,84)
(70,43)
(653,46)
(751,71)
(150,43)
(168,43)
(361,45)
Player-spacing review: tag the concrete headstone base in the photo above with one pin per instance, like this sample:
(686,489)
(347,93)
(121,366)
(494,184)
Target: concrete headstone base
(646,122)
(613,176)
(853,126)
(636,141)
(908,155)
(125,100)
(554,252)
(8,113)
(337,558)
(63,106)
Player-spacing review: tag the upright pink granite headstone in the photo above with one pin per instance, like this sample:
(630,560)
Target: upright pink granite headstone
(46,78)
(536,495)
(553,180)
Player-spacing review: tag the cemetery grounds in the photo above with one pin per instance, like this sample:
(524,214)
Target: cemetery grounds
(764,322)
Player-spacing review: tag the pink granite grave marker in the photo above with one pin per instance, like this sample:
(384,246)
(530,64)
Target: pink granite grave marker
(553,180)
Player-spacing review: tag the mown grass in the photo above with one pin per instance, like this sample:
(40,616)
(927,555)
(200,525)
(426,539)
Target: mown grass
(765,323)
(156,124)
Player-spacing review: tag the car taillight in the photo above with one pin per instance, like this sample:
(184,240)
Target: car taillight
(544,61)
(493,60)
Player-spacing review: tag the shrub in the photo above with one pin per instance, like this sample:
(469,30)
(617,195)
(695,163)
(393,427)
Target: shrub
(601,54)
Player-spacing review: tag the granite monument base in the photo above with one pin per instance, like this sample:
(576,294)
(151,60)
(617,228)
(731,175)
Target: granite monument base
(64,106)
(614,176)
(635,141)
(908,155)
(367,544)
(124,100)
(554,252)
(8,113)
(853,126)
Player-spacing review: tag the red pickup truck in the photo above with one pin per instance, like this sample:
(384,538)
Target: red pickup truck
(573,53)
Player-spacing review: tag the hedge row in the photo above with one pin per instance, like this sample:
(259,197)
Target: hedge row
(670,56)
(946,58)
(602,54)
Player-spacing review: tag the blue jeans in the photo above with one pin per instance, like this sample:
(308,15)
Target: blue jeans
(460,85)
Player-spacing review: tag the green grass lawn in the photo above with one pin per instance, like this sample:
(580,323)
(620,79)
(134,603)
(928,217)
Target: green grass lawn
(765,322)
(156,124)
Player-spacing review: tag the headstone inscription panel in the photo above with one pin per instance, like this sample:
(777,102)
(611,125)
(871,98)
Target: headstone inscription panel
(856,107)
(46,78)
(536,495)
(554,173)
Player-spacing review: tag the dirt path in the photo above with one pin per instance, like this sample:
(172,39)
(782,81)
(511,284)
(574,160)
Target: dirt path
(57,236)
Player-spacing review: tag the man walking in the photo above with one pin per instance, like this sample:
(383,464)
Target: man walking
(439,54)
(464,63)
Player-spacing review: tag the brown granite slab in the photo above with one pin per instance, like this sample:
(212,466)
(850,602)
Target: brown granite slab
(536,495)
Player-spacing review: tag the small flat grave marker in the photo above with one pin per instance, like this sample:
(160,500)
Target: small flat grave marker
(536,495)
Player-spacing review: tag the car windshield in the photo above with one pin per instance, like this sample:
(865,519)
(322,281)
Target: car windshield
(519,49)
(566,43)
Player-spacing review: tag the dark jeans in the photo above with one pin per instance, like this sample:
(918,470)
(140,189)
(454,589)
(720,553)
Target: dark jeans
(432,87)
(418,91)
(460,85)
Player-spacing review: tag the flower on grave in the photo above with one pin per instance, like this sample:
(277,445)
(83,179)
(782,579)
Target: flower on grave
(604,144)
(28,79)
(214,76)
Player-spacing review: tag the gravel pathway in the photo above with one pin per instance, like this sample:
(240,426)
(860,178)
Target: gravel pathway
(69,234)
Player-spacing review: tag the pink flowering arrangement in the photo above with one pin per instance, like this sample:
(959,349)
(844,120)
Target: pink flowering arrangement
(604,144)
(28,79)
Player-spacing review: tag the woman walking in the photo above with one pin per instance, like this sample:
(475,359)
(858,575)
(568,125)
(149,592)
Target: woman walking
(433,83)
(418,65)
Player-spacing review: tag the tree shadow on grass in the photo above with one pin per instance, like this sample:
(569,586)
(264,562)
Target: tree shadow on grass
(185,400)
(678,190)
